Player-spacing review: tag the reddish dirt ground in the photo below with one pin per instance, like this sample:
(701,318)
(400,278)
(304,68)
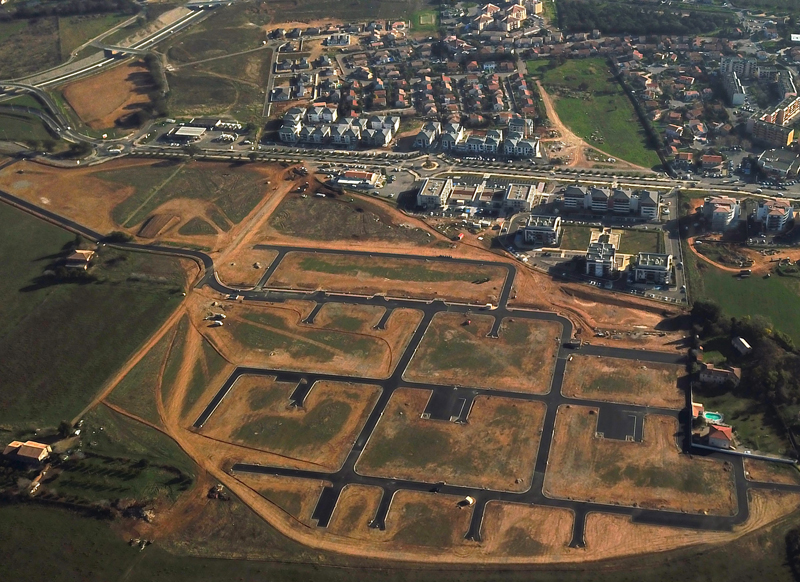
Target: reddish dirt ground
(103,100)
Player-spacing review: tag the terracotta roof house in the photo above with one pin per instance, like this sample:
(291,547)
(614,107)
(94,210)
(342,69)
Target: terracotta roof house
(720,436)
(27,452)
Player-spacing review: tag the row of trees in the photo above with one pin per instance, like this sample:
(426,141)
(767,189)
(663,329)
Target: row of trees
(622,17)
(23,10)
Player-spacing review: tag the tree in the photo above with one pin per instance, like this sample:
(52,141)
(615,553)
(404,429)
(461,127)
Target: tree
(192,149)
(64,429)
(706,311)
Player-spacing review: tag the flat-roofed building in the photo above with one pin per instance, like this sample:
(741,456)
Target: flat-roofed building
(434,192)
(774,214)
(600,259)
(653,268)
(722,212)
(519,197)
(733,88)
(542,230)
(779,163)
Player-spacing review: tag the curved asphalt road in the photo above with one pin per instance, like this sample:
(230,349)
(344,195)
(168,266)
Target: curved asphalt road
(447,401)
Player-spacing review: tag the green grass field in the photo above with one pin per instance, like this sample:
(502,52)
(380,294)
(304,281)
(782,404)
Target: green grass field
(424,21)
(60,341)
(235,192)
(599,112)
(576,238)
(23,128)
(640,241)
(205,370)
(316,218)
(537,67)
(95,553)
(196,227)
(28,46)
(136,393)
(776,298)
(73,31)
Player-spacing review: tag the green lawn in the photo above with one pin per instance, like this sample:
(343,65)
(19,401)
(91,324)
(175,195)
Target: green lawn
(424,21)
(777,298)
(576,238)
(60,341)
(395,269)
(537,67)
(753,422)
(598,110)
(640,241)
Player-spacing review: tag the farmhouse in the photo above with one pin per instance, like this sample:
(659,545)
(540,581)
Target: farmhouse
(741,345)
(720,436)
(710,374)
(653,268)
(79,259)
(28,452)
(542,230)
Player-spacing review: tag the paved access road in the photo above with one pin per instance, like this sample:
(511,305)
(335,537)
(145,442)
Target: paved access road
(619,421)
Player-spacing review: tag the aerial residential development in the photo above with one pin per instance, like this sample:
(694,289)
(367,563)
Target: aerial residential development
(399,290)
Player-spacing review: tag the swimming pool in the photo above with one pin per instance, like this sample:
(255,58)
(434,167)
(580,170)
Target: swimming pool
(713,416)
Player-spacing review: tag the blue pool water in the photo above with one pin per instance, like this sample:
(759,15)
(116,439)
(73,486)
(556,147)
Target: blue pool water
(713,416)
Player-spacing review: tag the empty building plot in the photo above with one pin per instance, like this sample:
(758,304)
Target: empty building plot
(649,474)
(495,448)
(628,381)
(456,350)
(396,277)
(259,413)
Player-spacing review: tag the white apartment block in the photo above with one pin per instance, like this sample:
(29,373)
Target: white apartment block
(653,268)
(721,212)
(774,214)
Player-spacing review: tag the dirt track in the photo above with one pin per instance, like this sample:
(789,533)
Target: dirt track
(574,145)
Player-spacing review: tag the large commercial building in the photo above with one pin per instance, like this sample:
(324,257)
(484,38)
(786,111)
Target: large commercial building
(721,212)
(542,230)
(653,268)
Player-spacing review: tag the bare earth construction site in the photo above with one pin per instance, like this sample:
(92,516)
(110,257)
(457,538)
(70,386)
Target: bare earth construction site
(394,405)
